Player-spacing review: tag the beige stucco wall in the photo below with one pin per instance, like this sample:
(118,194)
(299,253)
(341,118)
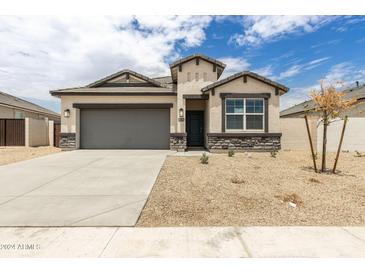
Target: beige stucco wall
(72,123)
(6,112)
(354,138)
(36,132)
(193,86)
(238,86)
(294,133)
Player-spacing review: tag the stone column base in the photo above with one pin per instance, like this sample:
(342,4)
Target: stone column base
(68,141)
(178,141)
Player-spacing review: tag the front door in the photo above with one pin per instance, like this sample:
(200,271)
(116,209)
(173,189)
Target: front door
(195,128)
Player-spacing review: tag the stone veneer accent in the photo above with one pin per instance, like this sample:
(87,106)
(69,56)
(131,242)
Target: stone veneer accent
(178,141)
(244,141)
(68,140)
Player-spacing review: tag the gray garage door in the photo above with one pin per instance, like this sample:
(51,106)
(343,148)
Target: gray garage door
(125,128)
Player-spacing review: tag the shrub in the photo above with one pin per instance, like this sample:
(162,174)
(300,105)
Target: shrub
(358,154)
(273,153)
(230,153)
(293,198)
(237,180)
(204,159)
(314,180)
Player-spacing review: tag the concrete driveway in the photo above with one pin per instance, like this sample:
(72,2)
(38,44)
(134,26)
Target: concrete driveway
(79,188)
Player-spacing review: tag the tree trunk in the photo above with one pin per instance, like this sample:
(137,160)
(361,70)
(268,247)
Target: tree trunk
(311,143)
(324,144)
(339,145)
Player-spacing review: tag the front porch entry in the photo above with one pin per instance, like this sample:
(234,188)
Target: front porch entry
(195,128)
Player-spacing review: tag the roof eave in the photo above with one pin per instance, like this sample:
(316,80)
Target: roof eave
(202,56)
(248,73)
(117,74)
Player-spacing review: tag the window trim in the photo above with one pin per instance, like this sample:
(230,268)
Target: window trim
(244,114)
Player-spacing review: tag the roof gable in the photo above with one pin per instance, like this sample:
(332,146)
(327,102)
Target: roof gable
(217,65)
(194,56)
(125,78)
(245,74)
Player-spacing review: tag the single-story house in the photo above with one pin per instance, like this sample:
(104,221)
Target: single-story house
(192,107)
(307,108)
(12,107)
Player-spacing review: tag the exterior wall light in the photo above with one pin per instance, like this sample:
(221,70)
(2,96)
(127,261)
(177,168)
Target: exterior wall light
(66,113)
(181,113)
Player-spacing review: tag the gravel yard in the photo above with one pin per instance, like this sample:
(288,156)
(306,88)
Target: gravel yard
(256,189)
(15,154)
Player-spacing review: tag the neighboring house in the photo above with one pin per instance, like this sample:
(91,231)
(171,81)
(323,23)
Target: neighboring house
(307,107)
(190,108)
(295,132)
(12,107)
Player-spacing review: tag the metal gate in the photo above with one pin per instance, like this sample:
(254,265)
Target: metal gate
(12,132)
(56,135)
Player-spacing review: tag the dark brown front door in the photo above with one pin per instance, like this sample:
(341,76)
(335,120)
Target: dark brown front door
(195,128)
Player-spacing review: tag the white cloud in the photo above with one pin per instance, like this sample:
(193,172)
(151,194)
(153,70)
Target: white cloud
(260,29)
(344,72)
(290,72)
(296,69)
(234,65)
(327,43)
(42,53)
(266,71)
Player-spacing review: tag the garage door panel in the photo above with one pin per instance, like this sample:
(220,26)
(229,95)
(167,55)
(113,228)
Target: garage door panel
(125,128)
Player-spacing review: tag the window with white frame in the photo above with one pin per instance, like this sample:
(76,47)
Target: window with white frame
(244,114)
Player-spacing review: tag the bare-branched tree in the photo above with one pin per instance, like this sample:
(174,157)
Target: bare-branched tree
(330,104)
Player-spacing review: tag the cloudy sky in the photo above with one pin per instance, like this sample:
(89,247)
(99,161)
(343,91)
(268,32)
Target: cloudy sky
(38,54)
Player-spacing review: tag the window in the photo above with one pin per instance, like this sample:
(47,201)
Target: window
(189,76)
(244,114)
(205,76)
(197,76)
(19,115)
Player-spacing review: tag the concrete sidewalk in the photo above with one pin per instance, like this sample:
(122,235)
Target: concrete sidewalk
(183,242)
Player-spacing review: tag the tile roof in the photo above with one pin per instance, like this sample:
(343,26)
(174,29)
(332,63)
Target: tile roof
(355,92)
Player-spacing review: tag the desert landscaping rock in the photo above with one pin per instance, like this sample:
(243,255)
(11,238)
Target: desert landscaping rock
(188,193)
(10,155)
